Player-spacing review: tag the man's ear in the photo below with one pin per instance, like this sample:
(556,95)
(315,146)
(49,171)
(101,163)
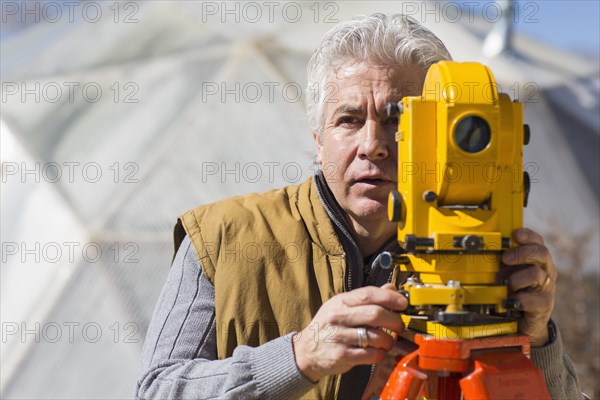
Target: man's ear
(318,146)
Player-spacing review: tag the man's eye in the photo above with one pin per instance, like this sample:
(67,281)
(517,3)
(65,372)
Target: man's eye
(348,120)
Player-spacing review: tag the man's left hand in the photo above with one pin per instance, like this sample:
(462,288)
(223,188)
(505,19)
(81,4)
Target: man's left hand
(532,281)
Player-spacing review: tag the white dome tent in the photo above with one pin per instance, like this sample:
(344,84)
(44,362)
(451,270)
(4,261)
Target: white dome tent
(112,126)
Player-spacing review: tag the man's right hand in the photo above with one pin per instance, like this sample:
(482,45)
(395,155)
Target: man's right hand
(330,343)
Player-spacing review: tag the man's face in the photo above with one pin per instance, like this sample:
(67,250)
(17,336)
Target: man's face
(358,151)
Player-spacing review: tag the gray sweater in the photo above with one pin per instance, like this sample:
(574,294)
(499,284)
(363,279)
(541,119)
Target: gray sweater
(180,352)
(179,360)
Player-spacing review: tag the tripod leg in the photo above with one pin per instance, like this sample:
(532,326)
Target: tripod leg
(503,374)
(406,382)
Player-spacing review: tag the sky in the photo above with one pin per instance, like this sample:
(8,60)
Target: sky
(567,24)
(571,25)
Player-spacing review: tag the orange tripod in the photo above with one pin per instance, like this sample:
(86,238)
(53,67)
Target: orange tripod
(483,368)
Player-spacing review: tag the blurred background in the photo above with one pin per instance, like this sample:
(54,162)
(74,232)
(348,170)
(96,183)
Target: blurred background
(117,116)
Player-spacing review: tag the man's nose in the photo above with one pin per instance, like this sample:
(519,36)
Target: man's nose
(374,143)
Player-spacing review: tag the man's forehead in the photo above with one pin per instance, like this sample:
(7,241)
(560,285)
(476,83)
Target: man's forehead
(358,78)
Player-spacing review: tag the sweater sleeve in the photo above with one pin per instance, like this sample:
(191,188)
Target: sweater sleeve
(557,367)
(179,359)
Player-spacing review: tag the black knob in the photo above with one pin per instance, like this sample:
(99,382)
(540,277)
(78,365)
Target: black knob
(386,260)
(429,196)
(526,134)
(396,208)
(472,243)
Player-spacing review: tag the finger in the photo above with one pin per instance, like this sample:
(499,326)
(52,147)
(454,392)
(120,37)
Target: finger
(527,236)
(535,304)
(533,277)
(369,355)
(374,295)
(375,338)
(506,271)
(527,254)
(370,315)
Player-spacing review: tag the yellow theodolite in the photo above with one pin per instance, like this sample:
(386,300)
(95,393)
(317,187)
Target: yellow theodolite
(461,193)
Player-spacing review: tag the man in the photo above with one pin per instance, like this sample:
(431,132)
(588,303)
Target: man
(284,324)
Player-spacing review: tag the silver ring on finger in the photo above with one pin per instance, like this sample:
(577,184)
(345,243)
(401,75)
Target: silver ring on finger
(363,339)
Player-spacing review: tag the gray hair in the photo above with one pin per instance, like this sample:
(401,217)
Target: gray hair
(378,39)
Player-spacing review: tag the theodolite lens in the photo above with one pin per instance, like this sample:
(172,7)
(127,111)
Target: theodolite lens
(472,134)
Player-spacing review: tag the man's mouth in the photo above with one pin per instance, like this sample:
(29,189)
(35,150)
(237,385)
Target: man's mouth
(374,181)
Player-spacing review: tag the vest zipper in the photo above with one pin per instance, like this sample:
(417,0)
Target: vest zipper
(349,278)
(329,205)
(322,189)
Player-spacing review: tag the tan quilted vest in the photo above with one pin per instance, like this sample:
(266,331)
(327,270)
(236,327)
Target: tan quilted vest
(274,259)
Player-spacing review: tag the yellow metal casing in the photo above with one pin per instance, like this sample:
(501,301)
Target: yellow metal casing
(478,191)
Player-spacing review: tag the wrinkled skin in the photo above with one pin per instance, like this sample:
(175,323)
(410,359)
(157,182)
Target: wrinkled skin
(358,152)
